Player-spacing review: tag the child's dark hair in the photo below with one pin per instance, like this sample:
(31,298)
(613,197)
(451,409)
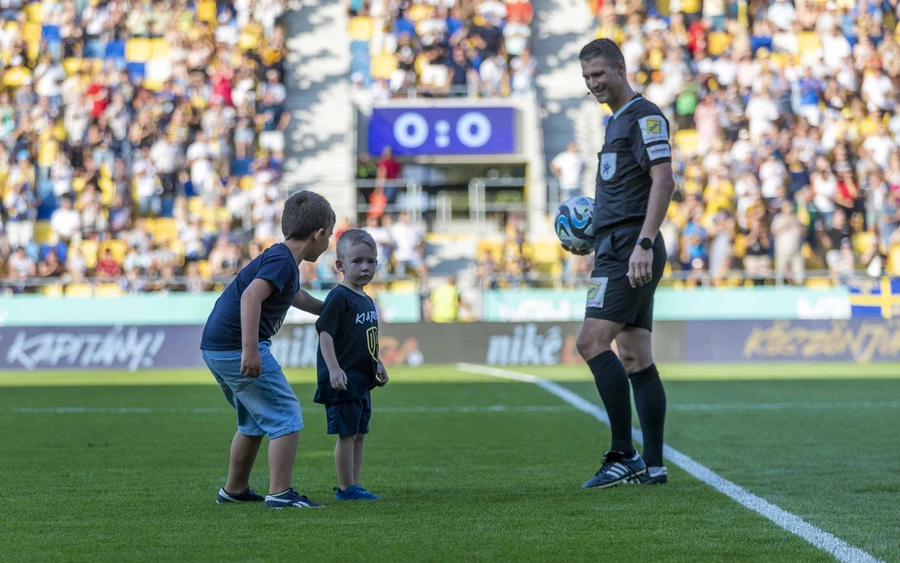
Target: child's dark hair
(351,238)
(305,213)
(605,48)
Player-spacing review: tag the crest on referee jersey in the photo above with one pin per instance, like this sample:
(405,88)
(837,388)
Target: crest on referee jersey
(372,342)
(607,165)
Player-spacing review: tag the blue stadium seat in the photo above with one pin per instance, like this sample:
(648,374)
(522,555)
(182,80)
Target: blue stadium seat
(115,50)
(47,207)
(137,71)
(241,166)
(61,248)
(94,49)
(50,33)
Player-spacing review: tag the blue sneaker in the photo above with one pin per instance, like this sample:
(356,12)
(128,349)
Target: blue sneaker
(354,492)
(247,496)
(617,469)
(290,499)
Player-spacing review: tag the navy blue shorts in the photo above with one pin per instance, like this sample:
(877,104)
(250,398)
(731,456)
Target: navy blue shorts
(352,417)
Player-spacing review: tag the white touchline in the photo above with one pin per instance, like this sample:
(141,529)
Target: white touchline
(841,550)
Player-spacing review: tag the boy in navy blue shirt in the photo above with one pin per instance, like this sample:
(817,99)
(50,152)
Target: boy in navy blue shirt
(348,361)
(235,346)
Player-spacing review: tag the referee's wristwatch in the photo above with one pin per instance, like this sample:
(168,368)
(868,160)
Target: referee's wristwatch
(646,243)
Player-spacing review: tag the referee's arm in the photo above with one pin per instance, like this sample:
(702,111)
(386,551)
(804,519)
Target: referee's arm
(640,267)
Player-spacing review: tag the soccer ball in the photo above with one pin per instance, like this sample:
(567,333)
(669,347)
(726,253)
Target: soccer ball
(574,223)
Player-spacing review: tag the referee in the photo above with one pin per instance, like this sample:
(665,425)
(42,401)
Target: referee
(634,187)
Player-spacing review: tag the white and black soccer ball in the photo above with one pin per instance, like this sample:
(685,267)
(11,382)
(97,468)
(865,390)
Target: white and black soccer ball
(574,223)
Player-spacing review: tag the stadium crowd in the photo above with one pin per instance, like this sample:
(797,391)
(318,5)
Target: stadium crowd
(785,125)
(139,139)
(445,48)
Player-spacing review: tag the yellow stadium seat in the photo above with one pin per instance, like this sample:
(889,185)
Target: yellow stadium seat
(718,42)
(818,283)
(361,28)
(153,85)
(108,290)
(808,42)
(206,11)
(43,234)
(383,66)
(52,290)
(31,32)
(34,12)
(687,140)
(79,290)
(71,66)
(166,229)
(781,60)
(862,242)
(177,247)
(160,49)
(545,252)
(196,206)
(894,260)
(138,50)
(118,249)
(90,249)
(204,270)
(494,246)
(246,182)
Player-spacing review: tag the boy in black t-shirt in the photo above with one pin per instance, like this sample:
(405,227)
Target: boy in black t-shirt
(348,361)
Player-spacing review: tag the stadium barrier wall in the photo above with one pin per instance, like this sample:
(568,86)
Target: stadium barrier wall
(533,305)
(132,347)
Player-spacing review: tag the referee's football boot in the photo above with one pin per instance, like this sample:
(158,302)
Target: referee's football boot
(247,496)
(290,499)
(654,476)
(617,469)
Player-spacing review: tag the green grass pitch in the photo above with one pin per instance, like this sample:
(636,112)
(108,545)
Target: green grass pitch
(114,466)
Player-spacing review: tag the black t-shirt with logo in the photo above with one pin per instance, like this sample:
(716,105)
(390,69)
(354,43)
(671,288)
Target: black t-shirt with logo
(637,138)
(352,321)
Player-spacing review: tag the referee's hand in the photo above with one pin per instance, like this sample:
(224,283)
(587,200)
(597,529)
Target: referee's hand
(577,251)
(640,267)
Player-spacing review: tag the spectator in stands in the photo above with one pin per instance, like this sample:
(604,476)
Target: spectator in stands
(409,243)
(66,221)
(788,233)
(757,263)
(568,168)
(387,172)
(21,266)
(50,266)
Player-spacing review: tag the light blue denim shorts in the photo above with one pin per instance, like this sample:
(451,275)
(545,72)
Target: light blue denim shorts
(265,405)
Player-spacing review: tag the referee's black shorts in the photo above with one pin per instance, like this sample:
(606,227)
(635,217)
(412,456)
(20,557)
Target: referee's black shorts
(610,295)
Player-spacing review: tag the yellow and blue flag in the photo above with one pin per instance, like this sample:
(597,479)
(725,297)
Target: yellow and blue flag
(877,298)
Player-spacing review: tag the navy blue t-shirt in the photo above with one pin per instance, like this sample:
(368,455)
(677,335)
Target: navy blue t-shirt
(352,321)
(223,328)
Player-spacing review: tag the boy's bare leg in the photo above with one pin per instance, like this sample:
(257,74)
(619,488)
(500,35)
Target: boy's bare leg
(243,453)
(357,456)
(282,451)
(344,460)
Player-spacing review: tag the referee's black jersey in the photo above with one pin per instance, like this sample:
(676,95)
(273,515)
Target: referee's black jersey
(637,138)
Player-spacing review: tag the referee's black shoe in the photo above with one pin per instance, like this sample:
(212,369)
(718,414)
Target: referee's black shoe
(617,469)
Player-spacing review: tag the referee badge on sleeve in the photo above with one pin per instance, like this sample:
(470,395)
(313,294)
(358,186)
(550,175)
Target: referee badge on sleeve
(596,292)
(653,129)
(607,165)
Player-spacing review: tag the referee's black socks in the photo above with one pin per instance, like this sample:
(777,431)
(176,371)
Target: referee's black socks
(650,400)
(612,383)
